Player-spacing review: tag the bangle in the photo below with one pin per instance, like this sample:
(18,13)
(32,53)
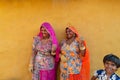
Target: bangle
(82,48)
(30,65)
(53,53)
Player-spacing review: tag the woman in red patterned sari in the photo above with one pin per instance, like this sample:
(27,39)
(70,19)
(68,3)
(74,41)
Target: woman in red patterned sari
(74,64)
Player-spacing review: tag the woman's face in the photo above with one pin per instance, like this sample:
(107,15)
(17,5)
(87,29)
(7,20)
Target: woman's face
(110,67)
(69,33)
(44,32)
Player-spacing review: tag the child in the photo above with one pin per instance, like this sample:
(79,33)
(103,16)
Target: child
(111,64)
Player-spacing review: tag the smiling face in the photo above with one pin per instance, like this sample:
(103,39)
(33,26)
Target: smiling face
(69,33)
(44,32)
(110,67)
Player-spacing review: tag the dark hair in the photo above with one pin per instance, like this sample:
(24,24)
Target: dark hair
(112,58)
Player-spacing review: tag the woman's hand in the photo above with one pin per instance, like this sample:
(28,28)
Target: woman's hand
(53,53)
(47,53)
(31,69)
(82,47)
(81,43)
(53,50)
(63,58)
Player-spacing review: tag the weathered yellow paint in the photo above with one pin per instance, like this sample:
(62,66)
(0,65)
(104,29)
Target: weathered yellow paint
(97,20)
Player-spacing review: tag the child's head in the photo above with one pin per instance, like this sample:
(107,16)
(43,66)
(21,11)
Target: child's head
(112,58)
(111,63)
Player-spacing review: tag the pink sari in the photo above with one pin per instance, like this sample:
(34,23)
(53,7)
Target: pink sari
(50,74)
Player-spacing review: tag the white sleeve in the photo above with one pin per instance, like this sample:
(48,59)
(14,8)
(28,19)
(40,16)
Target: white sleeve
(95,73)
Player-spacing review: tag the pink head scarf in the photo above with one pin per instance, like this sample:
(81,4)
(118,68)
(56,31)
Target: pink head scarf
(52,34)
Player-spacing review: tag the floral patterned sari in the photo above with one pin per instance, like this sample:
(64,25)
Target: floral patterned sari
(43,62)
(75,68)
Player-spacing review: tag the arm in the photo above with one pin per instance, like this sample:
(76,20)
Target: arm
(82,47)
(32,60)
(54,47)
(93,78)
(34,52)
(63,55)
(95,75)
(61,44)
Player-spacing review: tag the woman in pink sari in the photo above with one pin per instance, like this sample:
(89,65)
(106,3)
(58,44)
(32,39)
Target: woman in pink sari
(45,54)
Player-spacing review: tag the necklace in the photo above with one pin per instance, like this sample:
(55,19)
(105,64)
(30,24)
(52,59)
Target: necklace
(44,41)
(69,41)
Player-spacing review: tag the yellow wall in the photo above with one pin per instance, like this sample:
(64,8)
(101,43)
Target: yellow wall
(97,20)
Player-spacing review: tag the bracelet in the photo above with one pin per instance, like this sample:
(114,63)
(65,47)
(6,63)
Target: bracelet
(82,48)
(53,53)
(30,65)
